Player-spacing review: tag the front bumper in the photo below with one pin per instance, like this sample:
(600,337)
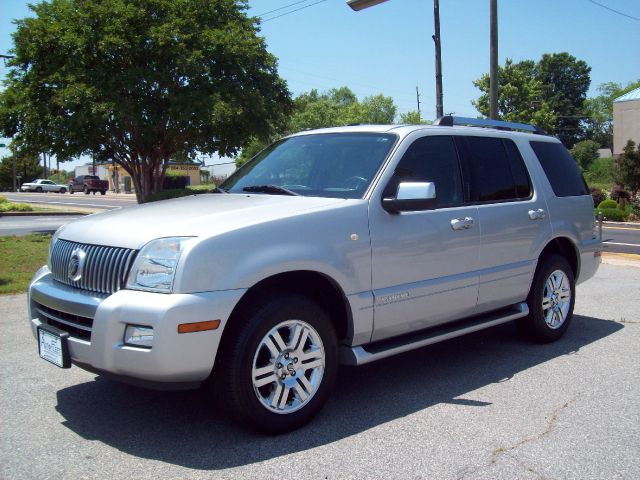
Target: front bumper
(174,358)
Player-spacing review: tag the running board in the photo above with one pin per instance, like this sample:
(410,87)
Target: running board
(385,348)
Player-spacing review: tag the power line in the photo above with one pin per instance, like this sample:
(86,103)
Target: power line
(281,8)
(293,11)
(614,11)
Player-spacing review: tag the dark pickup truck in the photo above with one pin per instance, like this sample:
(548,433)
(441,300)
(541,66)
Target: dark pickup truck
(87,184)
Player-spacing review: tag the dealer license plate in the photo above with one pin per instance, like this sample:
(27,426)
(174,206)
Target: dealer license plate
(53,347)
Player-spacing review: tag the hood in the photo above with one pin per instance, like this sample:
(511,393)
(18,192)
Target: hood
(201,215)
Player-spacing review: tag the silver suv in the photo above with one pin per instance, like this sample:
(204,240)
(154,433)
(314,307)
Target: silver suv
(344,245)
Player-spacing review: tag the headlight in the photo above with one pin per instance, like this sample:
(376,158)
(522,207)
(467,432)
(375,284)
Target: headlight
(156,264)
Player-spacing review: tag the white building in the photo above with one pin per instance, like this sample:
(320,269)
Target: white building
(626,120)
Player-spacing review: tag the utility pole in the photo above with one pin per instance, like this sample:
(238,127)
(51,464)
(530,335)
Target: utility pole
(493,60)
(436,39)
(418,100)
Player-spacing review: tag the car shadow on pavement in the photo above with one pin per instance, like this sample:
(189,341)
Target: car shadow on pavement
(188,429)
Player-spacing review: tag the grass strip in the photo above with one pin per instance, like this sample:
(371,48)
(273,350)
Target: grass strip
(20,257)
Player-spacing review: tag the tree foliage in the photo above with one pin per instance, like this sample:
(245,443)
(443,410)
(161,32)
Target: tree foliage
(626,169)
(27,168)
(336,107)
(413,118)
(549,94)
(585,152)
(141,81)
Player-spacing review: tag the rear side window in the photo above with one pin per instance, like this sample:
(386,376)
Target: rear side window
(561,169)
(497,172)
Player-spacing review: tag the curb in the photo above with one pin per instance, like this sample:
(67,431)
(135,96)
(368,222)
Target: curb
(53,213)
(624,259)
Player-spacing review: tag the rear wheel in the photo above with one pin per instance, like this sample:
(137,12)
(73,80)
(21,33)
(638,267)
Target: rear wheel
(279,368)
(63,190)
(550,300)
(102,192)
(39,189)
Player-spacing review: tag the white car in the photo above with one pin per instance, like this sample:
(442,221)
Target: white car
(41,185)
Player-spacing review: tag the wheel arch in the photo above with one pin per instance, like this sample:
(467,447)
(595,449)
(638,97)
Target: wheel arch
(317,286)
(565,247)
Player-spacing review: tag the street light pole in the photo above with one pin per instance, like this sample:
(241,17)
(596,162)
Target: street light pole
(493,60)
(436,39)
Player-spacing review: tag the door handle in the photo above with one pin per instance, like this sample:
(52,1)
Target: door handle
(462,223)
(537,214)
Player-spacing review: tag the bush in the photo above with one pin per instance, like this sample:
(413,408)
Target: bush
(613,214)
(175,193)
(585,153)
(15,207)
(598,195)
(620,195)
(607,204)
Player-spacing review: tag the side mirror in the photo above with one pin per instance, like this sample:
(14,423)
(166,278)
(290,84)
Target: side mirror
(412,197)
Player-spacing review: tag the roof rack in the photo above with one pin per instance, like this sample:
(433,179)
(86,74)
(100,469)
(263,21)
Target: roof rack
(450,121)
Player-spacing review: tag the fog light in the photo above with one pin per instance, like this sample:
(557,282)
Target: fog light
(138,336)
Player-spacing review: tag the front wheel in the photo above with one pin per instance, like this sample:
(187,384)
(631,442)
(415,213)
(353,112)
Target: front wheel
(278,370)
(63,190)
(39,189)
(86,190)
(551,300)
(103,192)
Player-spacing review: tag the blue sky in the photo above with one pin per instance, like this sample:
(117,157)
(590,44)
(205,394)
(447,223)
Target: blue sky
(388,48)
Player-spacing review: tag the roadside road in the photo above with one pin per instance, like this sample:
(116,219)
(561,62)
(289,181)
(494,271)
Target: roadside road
(484,406)
(621,237)
(109,201)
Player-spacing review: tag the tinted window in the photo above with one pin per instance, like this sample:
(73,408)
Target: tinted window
(518,170)
(561,169)
(491,178)
(431,159)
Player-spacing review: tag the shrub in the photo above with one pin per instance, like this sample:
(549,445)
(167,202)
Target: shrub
(620,195)
(585,153)
(607,204)
(175,193)
(15,207)
(614,214)
(598,195)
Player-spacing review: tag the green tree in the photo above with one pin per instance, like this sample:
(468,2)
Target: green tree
(336,107)
(598,124)
(141,81)
(626,170)
(550,94)
(585,153)
(27,168)
(520,96)
(565,81)
(413,118)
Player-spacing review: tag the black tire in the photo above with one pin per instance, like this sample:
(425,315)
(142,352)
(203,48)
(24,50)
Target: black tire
(244,349)
(71,190)
(86,190)
(103,192)
(548,321)
(39,189)
(63,190)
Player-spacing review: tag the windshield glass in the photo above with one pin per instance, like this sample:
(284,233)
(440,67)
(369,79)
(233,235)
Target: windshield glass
(339,165)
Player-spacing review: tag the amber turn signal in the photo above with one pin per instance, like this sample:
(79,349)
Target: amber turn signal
(198,326)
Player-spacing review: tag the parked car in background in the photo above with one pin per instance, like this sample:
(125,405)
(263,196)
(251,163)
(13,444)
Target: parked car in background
(42,185)
(88,184)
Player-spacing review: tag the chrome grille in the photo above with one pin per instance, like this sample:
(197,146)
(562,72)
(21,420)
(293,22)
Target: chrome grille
(105,268)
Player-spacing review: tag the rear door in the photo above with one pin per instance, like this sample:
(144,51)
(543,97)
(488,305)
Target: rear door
(513,215)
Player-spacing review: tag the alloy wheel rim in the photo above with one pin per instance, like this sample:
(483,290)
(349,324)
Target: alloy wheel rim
(288,367)
(556,299)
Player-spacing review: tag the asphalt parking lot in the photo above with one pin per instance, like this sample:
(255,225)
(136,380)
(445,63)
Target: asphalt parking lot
(484,406)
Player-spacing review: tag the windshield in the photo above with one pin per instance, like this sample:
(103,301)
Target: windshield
(339,165)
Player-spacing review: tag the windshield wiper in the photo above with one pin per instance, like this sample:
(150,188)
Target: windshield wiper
(219,190)
(273,189)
